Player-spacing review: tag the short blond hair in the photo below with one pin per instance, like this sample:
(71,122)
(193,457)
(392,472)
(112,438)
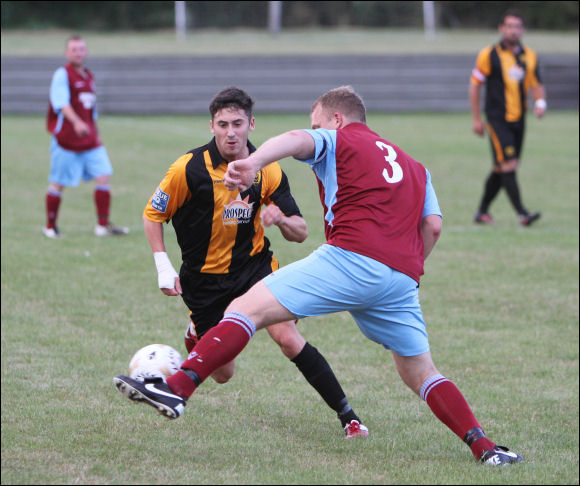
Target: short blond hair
(345,100)
(74,37)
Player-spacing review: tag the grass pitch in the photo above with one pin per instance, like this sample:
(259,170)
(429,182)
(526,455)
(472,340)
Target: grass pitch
(501,306)
(219,42)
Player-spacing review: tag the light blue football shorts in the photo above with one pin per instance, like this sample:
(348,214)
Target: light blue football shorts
(383,302)
(67,167)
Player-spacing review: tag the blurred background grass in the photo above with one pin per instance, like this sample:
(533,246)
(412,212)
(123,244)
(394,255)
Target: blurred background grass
(215,42)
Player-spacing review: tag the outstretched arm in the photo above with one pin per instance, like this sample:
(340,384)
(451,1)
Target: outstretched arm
(296,143)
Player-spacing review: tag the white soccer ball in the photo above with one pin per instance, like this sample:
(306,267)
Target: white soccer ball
(155,361)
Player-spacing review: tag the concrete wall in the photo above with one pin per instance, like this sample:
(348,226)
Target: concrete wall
(180,85)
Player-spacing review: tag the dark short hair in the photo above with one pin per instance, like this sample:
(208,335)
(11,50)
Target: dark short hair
(512,12)
(343,99)
(231,97)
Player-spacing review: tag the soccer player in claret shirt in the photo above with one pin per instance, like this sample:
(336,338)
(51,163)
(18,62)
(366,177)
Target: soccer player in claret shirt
(382,220)
(223,246)
(76,150)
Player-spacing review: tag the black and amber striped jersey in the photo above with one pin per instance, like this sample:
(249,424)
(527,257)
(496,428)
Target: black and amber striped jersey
(218,230)
(508,76)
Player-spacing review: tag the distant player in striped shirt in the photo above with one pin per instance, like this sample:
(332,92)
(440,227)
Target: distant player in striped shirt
(509,70)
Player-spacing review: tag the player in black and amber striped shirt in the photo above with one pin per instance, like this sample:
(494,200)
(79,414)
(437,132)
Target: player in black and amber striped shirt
(219,231)
(509,70)
(223,246)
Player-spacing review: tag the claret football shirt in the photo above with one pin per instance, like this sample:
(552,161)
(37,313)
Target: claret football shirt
(374,195)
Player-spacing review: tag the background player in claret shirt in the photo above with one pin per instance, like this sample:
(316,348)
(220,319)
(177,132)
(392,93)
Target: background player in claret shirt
(222,241)
(382,220)
(509,70)
(76,150)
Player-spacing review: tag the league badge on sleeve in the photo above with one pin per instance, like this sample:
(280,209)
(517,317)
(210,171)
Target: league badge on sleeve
(160,200)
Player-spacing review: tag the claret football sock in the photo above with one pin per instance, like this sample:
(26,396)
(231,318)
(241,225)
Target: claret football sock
(448,404)
(103,204)
(53,199)
(220,345)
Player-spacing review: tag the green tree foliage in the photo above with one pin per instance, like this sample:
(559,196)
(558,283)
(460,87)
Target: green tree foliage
(538,15)
(128,15)
(88,15)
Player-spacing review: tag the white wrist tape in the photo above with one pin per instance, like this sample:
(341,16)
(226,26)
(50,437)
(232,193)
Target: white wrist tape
(541,104)
(166,274)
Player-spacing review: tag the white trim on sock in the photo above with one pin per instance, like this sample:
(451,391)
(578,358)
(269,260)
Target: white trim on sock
(431,383)
(243,321)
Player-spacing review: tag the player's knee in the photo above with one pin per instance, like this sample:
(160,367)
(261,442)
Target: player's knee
(221,378)
(224,374)
(290,343)
(509,165)
(288,349)
(415,370)
(102,180)
(55,187)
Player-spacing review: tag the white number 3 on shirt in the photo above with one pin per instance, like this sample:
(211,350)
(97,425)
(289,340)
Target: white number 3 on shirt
(390,159)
